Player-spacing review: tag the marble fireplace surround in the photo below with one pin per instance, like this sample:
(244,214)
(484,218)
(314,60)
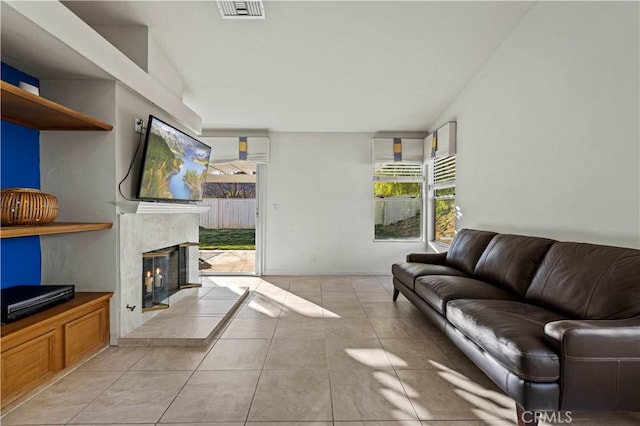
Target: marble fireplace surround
(145,227)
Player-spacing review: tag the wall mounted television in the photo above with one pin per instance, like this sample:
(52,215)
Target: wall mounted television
(174,165)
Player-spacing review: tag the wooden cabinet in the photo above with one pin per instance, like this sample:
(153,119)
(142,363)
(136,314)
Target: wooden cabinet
(27,365)
(36,348)
(85,336)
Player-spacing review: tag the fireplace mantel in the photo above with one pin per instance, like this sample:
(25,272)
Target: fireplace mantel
(145,207)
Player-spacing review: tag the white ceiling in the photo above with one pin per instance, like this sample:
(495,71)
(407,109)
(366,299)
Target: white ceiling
(328,66)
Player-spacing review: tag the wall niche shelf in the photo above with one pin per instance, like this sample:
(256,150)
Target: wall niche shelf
(52,228)
(26,109)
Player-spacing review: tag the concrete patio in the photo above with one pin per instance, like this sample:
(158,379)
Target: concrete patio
(242,261)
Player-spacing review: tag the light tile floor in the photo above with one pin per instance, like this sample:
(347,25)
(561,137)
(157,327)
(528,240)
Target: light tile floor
(312,350)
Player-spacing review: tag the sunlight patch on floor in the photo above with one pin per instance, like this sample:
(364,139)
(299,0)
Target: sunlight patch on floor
(263,309)
(369,357)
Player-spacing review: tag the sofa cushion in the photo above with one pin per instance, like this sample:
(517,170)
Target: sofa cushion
(437,290)
(466,248)
(511,332)
(407,272)
(511,261)
(588,281)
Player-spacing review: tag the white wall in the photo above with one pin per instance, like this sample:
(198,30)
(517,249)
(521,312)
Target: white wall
(139,232)
(65,27)
(162,69)
(319,201)
(139,45)
(132,40)
(130,106)
(83,168)
(548,131)
(78,168)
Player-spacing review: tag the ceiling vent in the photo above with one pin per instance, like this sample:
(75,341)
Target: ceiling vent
(241,9)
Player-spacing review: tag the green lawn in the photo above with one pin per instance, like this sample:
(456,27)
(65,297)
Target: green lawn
(227,239)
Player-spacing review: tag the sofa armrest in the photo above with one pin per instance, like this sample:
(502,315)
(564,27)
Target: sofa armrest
(595,338)
(432,258)
(599,363)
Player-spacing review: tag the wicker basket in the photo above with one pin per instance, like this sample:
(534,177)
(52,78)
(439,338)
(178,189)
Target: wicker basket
(27,206)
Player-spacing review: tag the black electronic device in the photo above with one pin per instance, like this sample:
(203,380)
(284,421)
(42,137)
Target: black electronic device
(23,300)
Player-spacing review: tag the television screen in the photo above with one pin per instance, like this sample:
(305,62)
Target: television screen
(174,165)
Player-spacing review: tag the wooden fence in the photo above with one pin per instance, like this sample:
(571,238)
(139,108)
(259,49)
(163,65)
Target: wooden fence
(240,213)
(229,213)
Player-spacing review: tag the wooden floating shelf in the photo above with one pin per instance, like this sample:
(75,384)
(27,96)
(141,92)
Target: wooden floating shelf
(27,109)
(51,228)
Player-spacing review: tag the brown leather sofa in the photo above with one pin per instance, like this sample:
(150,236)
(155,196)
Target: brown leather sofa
(556,325)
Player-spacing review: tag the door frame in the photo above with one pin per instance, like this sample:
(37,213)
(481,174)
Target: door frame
(261,216)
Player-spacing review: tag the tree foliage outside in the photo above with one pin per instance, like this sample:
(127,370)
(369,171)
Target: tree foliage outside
(445,215)
(396,189)
(229,190)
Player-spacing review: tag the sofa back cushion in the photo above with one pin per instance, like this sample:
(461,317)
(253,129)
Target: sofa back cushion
(511,261)
(466,248)
(588,281)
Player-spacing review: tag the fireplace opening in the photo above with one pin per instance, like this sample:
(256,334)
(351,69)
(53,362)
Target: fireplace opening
(167,270)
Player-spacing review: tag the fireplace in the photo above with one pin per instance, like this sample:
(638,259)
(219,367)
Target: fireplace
(167,270)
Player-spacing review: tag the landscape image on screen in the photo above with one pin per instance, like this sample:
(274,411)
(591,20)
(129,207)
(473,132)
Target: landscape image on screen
(175,164)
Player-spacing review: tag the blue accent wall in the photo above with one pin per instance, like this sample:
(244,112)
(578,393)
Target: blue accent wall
(19,167)
(20,161)
(15,76)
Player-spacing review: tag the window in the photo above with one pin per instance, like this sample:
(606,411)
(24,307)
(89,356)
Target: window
(442,199)
(398,201)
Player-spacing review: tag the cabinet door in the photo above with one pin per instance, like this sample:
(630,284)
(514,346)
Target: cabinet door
(27,365)
(84,336)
